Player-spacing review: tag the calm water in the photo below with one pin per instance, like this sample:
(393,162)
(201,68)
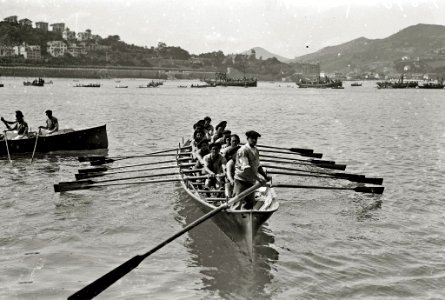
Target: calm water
(319,245)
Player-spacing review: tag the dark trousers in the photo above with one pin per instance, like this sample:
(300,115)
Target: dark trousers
(240,186)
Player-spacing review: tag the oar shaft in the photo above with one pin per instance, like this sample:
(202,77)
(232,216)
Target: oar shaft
(98,286)
(7,147)
(301,150)
(35,146)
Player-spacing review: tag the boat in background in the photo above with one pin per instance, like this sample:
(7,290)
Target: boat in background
(121,86)
(36,82)
(400,84)
(356,84)
(327,83)
(63,140)
(240,225)
(221,79)
(432,85)
(89,85)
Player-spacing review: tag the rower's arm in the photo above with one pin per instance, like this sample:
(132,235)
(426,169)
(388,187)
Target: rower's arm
(261,171)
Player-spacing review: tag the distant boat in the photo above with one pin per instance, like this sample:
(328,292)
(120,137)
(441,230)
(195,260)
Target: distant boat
(356,84)
(182,86)
(221,79)
(2,85)
(320,84)
(121,86)
(36,82)
(202,85)
(89,85)
(400,84)
(432,85)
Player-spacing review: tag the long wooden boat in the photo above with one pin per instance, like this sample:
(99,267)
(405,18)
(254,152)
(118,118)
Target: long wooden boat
(240,226)
(320,84)
(37,82)
(85,139)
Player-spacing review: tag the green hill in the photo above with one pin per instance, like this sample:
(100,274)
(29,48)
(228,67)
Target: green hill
(418,48)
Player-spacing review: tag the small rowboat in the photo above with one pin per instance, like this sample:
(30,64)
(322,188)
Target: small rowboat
(240,225)
(65,140)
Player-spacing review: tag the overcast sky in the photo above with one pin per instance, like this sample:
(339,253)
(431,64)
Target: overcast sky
(286,27)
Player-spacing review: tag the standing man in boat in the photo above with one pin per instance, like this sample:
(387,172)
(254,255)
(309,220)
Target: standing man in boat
(20,125)
(52,124)
(247,168)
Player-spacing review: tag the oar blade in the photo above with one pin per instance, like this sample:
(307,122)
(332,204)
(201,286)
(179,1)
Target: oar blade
(82,176)
(90,158)
(332,166)
(302,150)
(314,155)
(373,180)
(93,170)
(98,286)
(370,189)
(64,186)
(103,161)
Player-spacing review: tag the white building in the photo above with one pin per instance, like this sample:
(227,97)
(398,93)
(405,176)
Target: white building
(32,52)
(56,48)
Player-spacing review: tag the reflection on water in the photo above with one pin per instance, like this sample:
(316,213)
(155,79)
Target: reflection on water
(225,270)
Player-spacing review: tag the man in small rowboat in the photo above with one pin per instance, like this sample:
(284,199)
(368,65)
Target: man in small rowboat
(215,164)
(20,125)
(52,124)
(247,168)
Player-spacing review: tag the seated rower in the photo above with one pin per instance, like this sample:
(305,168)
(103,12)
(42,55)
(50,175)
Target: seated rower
(215,164)
(219,131)
(209,130)
(19,125)
(198,136)
(202,150)
(52,124)
(234,144)
(222,140)
(230,171)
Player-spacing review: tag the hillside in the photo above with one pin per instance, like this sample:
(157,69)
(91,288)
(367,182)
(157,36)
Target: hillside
(418,48)
(261,53)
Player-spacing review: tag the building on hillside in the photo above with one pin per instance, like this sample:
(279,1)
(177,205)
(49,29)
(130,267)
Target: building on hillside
(31,52)
(6,51)
(11,19)
(25,22)
(43,26)
(75,50)
(58,27)
(84,36)
(56,48)
(307,71)
(69,35)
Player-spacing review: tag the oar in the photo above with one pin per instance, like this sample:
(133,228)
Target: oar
(345,176)
(35,145)
(110,160)
(105,168)
(315,155)
(359,189)
(81,176)
(298,150)
(7,147)
(78,185)
(94,158)
(317,163)
(101,284)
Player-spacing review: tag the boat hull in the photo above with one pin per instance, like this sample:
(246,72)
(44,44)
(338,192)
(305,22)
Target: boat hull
(240,226)
(85,139)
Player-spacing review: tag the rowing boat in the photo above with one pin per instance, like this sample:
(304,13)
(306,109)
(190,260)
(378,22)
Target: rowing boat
(85,139)
(240,225)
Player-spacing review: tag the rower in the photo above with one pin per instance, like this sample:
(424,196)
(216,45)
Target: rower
(230,171)
(234,145)
(203,150)
(52,124)
(219,131)
(208,128)
(215,164)
(198,136)
(226,135)
(19,125)
(247,168)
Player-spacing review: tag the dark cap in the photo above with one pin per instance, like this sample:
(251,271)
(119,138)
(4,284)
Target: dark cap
(49,111)
(221,124)
(227,131)
(252,134)
(207,118)
(18,113)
